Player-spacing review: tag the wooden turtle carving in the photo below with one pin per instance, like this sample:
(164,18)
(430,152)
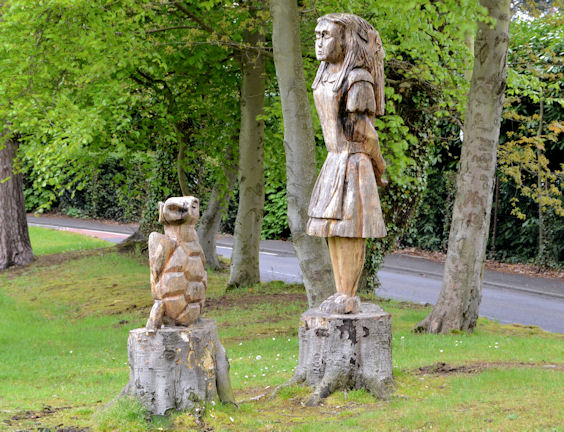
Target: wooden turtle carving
(176,259)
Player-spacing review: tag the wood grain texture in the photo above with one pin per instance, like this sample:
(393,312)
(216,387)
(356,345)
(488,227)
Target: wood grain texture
(347,256)
(345,201)
(345,352)
(177,263)
(178,368)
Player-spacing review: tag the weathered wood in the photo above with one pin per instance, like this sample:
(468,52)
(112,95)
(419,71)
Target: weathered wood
(348,92)
(345,352)
(178,368)
(340,304)
(178,274)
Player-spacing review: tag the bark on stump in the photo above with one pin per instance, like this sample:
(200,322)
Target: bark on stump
(350,351)
(178,368)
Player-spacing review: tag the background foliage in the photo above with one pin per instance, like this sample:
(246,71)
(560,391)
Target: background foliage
(118,105)
(528,200)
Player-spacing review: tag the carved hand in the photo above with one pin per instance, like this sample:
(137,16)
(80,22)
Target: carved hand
(372,145)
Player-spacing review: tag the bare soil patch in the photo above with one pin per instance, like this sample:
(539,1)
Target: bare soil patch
(442,368)
(46,411)
(249,301)
(446,369)
(401,304)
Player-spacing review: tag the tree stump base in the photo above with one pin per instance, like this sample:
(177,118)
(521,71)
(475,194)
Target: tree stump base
(345,351)
(178,368)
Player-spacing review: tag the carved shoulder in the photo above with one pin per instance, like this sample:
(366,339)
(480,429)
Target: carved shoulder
(360,98)
(359,75)
(160,249)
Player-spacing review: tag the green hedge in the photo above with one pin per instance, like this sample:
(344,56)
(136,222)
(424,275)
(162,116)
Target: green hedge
(516,240)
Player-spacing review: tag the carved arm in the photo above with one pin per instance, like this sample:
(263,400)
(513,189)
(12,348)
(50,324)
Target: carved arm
(359,121)
(363,132)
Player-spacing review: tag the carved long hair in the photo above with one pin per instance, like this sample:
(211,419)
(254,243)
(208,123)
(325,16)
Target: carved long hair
(363,49)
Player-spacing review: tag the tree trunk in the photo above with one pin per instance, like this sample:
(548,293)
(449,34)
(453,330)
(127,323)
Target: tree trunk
(299,145)
(349,351)
(248,224)
(15,246)
(216,208)
(540,254)
(178,368)
(461,293)
(496,208)
(181,155)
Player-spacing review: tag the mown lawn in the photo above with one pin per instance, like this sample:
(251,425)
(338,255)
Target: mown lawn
(46,241)
(64,323)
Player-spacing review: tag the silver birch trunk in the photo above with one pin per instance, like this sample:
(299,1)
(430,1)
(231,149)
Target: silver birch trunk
(299,145)
(248,224)
(215,210)
(15,246)
(461,293)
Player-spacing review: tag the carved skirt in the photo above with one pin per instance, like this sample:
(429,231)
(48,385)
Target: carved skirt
(345,201)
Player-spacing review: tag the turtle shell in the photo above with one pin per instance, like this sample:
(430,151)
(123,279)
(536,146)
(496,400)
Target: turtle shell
(182,283)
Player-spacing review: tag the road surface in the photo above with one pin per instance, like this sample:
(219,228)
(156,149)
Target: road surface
(507,298)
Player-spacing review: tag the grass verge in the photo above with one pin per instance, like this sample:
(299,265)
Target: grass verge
(63,331)
(45,241)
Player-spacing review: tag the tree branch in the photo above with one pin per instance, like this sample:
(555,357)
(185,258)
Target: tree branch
(169,28)
(193,17)
(151,82)
(230,43)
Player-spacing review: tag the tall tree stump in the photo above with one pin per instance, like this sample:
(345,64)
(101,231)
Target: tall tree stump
(178,368)
(345,351)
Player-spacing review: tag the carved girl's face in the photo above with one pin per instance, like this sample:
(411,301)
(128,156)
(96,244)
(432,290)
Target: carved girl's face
(329,42)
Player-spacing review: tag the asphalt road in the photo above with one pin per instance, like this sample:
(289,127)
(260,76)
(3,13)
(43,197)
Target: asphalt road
(507,298)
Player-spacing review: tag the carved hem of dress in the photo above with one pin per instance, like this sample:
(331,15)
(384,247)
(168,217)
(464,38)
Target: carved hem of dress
(360,211)
(317,227)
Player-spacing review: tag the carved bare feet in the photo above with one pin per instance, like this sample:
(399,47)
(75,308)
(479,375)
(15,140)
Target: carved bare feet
(341,304)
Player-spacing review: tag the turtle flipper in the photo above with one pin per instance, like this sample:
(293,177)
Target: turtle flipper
(155,320)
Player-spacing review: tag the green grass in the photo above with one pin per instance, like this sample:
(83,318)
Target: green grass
(46,241)
(63,333)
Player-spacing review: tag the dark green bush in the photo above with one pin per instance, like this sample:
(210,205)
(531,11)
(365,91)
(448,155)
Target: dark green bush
(515,240)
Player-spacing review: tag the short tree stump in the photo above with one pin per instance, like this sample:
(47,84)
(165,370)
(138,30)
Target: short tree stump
(178,368)
(345,351)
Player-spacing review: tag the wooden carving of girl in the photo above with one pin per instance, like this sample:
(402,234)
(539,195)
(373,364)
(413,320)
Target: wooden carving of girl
(348,94)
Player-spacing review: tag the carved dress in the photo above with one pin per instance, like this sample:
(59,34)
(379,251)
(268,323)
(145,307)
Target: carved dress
(345,201)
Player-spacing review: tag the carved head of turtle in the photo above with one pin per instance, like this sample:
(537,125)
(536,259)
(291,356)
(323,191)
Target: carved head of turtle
(179,210)
(179,215)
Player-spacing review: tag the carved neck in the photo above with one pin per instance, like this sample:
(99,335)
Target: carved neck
(333,68)
(184,233)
